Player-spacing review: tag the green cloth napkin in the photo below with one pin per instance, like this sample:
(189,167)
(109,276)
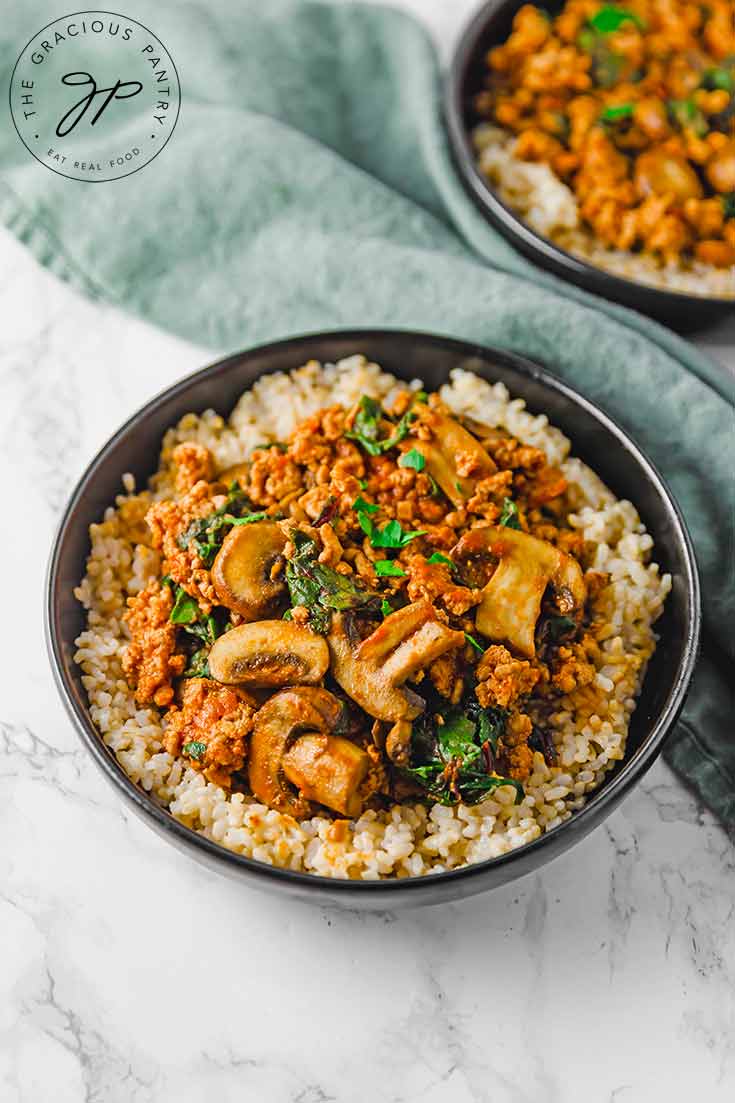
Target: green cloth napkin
(308,186)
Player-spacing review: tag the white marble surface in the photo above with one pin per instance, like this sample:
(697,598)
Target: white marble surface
(129,975)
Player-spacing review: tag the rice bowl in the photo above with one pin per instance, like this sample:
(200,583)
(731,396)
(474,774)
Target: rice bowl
(407,839)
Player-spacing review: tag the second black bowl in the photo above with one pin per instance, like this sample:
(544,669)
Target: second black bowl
(490,27)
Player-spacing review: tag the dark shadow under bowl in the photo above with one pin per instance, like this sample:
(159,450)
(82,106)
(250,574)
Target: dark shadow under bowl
(490,27)
(595,438)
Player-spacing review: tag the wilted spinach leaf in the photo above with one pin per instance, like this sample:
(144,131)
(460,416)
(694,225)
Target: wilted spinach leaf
(320,588)
(453,761)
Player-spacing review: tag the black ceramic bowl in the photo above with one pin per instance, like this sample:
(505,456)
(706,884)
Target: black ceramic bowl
(490,27)
(596,439)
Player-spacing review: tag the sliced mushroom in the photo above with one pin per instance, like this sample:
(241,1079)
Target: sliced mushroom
(511,600)
(450,447)
(241,573)
(281,720)
(269,653)
(373,671)
(328,769)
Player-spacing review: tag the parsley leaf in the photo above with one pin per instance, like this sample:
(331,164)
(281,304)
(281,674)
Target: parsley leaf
(718,79)
(437,557)
(617,111)
(509,514)
(385,568)
(414,459)
(390,536)
(609,19)
(385,607)
(366,425)
(361,506)
(194,749)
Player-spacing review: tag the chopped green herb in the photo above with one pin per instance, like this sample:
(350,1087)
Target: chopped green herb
(617,111)
(385,607)
(611,18)
(185,609)
(475,644)
(385,568)
(366,425)
(414,459)
(687,116)
(458,486)
(251,517)
(606,65)
(195,749)
(437,557)
(390,536)
(361,506)
(434,487)
(279,444)
(320,588)
(723,79)
(420,396)
(362,484)
(393,536)
(509,514)
(288,615)
(728,203)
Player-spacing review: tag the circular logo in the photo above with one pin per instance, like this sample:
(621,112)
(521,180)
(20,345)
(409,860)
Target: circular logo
(95,96)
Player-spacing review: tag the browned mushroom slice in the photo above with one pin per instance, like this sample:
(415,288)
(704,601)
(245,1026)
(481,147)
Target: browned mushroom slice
(373,671)
(269,653)
(328,769)
(241,573)
(284,717)
(451,447)
(511,600)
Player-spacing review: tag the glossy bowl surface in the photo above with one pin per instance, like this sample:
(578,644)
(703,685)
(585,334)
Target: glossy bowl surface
(489,27)
(596,439)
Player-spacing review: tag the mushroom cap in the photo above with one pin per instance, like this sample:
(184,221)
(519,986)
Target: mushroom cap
(269,653)
(373,671)
(284,716)
(241,572)
(511,600)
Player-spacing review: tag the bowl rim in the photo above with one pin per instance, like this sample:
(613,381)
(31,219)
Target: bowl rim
(165,823)
(500,213)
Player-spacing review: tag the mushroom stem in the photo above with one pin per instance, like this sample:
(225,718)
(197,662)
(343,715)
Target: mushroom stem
(328,769)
